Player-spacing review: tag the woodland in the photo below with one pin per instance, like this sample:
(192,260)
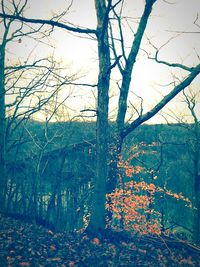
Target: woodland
(86,178)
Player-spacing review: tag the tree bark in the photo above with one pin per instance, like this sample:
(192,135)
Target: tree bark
(191,102)
(97,219)
(130,61)
(115,148)
(196,233)
(2,127)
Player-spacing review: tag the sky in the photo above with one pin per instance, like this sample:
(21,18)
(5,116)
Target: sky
(79,55)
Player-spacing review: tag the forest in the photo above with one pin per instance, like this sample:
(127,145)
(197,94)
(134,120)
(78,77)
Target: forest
(99,133)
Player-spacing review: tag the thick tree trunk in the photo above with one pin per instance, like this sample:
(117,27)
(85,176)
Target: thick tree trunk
(114,152)
(97,219)
(191,102)
(113,171)
(196,236)
(2,128)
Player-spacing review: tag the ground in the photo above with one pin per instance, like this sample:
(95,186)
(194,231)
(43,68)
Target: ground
(24,244)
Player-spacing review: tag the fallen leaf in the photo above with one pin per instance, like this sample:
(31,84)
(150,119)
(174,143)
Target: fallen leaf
(54,259)
(52,247)
(96,241)
(50,232)
(71,264)
(24,263)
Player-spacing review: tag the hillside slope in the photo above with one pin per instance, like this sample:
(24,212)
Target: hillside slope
(23,244)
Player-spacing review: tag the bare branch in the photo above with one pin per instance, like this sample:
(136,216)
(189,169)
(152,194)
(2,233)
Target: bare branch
(174,65)
(157,50)
(88,109)
(114,49)
(49,22)
(130,63)
(180,87)
(115,63)
(196,21)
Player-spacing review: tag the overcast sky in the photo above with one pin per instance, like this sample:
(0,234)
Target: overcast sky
(81,54)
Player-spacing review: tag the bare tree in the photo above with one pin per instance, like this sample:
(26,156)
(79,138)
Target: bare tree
(25,88)
(189,121)
(191,98)
(125,60)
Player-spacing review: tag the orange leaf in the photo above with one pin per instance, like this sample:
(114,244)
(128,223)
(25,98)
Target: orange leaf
(96,241)
(52,247)
(71,264)
(50,232)
(24,263)
(54,259)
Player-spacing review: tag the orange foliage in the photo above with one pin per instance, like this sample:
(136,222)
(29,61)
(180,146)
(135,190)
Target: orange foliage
(132,203)
(50,232)
(133,210)
(95,241)
(24,263)
(71,263)
(54,259)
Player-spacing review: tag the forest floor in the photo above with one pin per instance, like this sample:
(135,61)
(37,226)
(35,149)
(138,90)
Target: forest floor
(24,244)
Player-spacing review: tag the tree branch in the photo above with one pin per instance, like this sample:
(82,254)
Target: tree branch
(186,82)
(49,22)
(174,65)
(130,63)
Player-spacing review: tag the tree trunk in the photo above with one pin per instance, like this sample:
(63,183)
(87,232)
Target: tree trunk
(97,219)
(191,102)
(196,236)
(115,152)
(2,128)
(113,171)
